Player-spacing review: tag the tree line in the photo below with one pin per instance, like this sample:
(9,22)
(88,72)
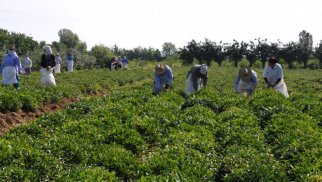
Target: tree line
(98,56)
(207,52)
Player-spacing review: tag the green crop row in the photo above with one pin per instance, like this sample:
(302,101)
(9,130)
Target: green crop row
(31,95)
(213,135)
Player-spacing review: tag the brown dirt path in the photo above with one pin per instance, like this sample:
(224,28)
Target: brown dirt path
(10,120)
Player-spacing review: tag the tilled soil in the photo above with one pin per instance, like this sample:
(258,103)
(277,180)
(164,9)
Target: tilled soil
(12,119)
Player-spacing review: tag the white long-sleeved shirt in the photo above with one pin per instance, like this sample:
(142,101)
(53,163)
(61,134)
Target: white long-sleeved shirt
(272,74)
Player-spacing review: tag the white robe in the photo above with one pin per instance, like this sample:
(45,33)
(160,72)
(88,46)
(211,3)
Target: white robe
(190,88)
(9,75)
(57,68)
(70,65)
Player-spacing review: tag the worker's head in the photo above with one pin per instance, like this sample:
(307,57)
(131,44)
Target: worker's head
(272,61)
(203,69)
(160,69)
(47,49)
(245,73)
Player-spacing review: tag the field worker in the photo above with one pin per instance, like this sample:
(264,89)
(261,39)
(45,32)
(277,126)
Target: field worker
(58,63)
(70,62)
(163,78)
(113,63)
(246,81)
(27,64)
(273,76)
(119,63)
(47,67)
(125,62)
(11,67)
(197,74)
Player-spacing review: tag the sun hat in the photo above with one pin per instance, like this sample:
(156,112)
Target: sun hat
(160,69)
(203,69)
(245,73)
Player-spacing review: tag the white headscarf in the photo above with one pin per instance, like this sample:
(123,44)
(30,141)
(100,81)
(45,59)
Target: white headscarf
(47,49)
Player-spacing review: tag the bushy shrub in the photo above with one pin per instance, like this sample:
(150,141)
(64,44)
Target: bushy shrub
(313,64)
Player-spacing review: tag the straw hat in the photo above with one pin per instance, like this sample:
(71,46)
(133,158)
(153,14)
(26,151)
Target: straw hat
(245,73)
(160,69)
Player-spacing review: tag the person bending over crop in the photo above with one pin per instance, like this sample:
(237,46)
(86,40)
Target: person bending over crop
(11,67)
(195,76)
(245,81)
(163,78)
(273,76)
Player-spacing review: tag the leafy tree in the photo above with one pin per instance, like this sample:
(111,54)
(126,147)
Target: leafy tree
(68,38)
(305,47)
(289,53)
(262,50)
(185,56)
(116,50)
(22,42)
(318,54)
(4,38)
(188,53)
(250,53)
(81,47)
(207,51)
(168,49)
(219,55)
(102,54)
(236,51)
(60,47)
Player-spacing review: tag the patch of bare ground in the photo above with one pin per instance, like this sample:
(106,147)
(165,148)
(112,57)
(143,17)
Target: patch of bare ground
(10,120)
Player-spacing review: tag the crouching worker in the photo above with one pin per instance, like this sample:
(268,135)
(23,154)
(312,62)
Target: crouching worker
(273,76)
(195,76)
(246,81)
(163,78)
(47,66)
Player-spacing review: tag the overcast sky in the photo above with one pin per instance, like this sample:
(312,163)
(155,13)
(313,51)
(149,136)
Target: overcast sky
(150,23)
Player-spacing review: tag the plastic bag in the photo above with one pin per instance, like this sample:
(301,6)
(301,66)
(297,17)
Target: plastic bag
(47,77)
(282,88)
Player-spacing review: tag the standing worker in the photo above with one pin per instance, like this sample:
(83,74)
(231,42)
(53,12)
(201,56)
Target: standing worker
(47,66)
(273,76)
(58,63)
(246,81)
(125,62)
(163,78)
(11,67)
(27,64)
(70,62)
(195,76)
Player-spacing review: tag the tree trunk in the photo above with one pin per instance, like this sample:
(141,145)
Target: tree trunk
(305,63)
(236,63)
